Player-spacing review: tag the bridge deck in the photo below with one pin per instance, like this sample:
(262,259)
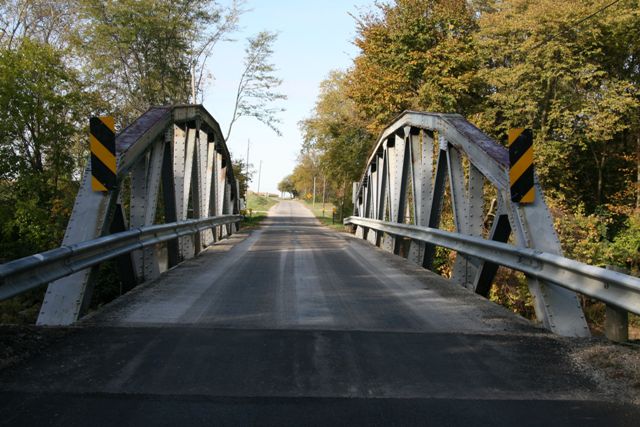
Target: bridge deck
(293,273)
(294,324)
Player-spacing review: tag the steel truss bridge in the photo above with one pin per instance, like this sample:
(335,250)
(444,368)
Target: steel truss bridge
(294,324)
(403,184)
(174,157)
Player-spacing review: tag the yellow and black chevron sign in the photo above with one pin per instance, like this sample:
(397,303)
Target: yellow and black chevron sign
(102,140)
(521,165)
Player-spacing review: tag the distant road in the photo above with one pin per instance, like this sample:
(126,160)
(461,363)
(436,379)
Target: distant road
(296,324)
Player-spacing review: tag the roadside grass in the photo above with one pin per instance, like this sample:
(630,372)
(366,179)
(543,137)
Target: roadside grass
(257,203)
(257,207)
(325,217)
(252,221)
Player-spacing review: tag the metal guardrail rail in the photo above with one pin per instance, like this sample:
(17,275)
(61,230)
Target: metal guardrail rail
(30,272)
(611,287)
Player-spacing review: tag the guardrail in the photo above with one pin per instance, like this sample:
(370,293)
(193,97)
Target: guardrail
(30,272)
(615,289)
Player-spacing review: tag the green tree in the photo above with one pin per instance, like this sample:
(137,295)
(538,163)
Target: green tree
(337,133)
(287,186)
(143,53)
(43,21)
(257,88)
(567,82)
(243,175)
(303,174)
(42,107)
(415,54)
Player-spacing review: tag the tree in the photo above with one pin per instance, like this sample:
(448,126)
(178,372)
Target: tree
(336,131)
(415,54)
(287,186)
(44,21)
(42,110)
(571,85)
(243,176)
(257,88)
(149,52)
(304,172)
(204,39)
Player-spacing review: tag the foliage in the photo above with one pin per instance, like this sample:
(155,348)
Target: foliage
(142,53)
(556,67)
(415,54)
(257,88)
(512,292)
(243,175)
(287,186)
(61,62)
(307,169)
(41,108)
(334,136)
(43,21)
(259,203)
(576,86)
(624,251)
(582,236)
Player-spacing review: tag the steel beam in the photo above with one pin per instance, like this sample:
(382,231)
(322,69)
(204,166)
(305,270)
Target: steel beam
(605,285)
(531,225)
(67,298)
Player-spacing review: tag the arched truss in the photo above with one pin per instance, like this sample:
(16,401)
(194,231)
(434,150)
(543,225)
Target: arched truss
(421,154)
(172,165)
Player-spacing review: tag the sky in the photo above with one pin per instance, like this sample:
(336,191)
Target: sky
(315,37)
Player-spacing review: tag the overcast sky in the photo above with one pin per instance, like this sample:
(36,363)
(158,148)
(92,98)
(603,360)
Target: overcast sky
(315,37)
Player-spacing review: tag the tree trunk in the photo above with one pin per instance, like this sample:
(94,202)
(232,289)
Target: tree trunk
(638,171)
(599,162)
(600,180)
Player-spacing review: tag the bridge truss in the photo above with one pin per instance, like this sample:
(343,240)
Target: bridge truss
(172,166)
(422,156)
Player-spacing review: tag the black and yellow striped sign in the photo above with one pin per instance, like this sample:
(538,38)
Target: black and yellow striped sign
(521,165)
(102,140)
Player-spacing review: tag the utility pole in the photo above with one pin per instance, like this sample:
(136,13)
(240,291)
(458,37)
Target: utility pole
(314,192)
(193,84)
(248,144)
(259,175)
(324,192)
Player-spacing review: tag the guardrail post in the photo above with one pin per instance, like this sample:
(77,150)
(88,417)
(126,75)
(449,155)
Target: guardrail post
(616,321)
(616,324)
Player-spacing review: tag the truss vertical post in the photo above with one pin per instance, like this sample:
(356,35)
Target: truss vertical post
(436,201)
(207,150)
(67,298)
(187,242)
(222,190)
(467,203)
(422,175)
(154,174)
(124,263)
(395,150)
(169,195)
(557,308)
(500,231)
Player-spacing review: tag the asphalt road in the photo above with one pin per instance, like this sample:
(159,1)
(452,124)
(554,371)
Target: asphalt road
(295,324)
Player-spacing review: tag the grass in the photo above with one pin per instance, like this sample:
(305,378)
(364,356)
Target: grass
(257,207)
(258,203)
(252,221)
(325,217)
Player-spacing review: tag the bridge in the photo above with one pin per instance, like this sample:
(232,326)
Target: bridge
(292,323)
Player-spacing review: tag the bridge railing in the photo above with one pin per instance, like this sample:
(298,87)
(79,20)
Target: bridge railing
(173,167)
(616,289)
(37,270)
(424,163)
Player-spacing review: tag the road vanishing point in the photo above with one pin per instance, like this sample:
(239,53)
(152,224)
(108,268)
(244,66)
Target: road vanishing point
(292,323)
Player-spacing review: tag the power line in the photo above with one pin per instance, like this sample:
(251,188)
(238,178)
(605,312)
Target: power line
(577,23)
(602,9)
